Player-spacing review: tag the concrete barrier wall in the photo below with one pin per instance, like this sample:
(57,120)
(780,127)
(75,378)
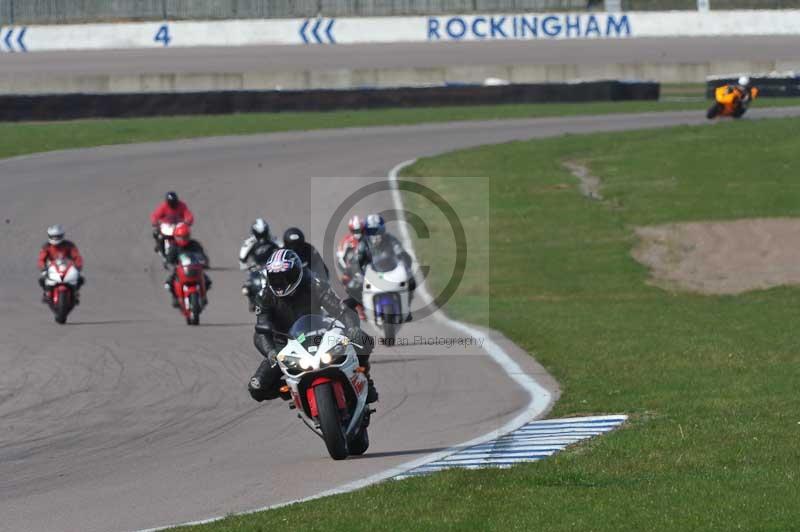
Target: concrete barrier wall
(377,77)
(88,11)
(331,31)
(74,106)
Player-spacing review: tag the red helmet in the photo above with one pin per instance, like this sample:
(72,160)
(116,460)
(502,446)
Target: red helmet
(356,226)
(182,234)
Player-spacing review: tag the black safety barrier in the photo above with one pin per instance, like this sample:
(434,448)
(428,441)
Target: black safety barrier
(74,106)
(787,87)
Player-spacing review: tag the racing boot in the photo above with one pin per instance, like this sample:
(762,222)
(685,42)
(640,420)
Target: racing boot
(262,385)
(45,292)
(81,281)
(372,392)
(168,288)
(412,286)
(208,287)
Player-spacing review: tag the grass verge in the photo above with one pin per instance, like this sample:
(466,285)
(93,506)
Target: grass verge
(710,382)
(30,137)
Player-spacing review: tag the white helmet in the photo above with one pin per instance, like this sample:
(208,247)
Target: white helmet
(744,81)
(260,228)
(55,234)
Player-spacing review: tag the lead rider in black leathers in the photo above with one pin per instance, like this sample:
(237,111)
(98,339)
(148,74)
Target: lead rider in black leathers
(290,292)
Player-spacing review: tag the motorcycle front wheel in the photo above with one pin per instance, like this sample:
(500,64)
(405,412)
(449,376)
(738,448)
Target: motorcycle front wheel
(330,422)
(713,111)
(61,309)
(389,332)
(194,309)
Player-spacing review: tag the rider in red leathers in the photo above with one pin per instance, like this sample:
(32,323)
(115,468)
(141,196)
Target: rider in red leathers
(184,243)
(349,244)
(171,210)
(56,248)
(347,259)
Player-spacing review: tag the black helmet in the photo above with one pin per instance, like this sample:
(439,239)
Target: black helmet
(293,238)
(172,198)
(260,229)
(284,271)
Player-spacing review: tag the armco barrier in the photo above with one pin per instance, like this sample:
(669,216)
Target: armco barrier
(768,87)
(74,106)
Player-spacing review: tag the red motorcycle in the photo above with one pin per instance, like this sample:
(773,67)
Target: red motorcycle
(61,282)
(190,286)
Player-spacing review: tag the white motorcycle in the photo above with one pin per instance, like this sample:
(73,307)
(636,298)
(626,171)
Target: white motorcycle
(326,384)
(385,295)
(166,233)
(61,282)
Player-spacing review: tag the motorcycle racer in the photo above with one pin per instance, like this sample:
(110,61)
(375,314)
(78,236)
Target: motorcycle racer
(743,86)
(352,273)
(289,292)
(294,239)
(171,210)
(257,247)
(184,243)
(57,247)
(732,99)
(349,244)
(253,255)
(377,241)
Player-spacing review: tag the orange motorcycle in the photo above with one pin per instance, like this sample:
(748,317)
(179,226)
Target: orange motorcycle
(731,100)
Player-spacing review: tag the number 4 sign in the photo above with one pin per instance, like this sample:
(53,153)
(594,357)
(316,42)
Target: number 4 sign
(162,35)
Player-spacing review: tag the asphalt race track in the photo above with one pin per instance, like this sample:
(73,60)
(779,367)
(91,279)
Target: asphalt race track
(409,55)
(126,418)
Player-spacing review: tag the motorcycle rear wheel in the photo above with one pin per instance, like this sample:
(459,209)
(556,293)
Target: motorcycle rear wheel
(330,422)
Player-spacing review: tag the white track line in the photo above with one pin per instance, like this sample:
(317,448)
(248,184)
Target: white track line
(540,399)
(509,449)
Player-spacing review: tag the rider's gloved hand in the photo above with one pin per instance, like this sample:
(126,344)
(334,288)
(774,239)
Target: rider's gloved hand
(355,334)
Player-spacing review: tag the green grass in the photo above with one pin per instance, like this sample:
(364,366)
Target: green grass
(711,383)
(30,137)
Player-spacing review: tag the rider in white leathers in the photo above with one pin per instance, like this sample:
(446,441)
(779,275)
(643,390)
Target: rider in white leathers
(378,241)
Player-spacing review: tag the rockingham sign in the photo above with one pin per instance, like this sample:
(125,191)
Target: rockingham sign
(331,31)
(539,26)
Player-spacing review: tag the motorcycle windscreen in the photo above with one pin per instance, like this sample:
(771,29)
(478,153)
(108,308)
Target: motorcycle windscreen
(308,330)
(191,267)
(384,263)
